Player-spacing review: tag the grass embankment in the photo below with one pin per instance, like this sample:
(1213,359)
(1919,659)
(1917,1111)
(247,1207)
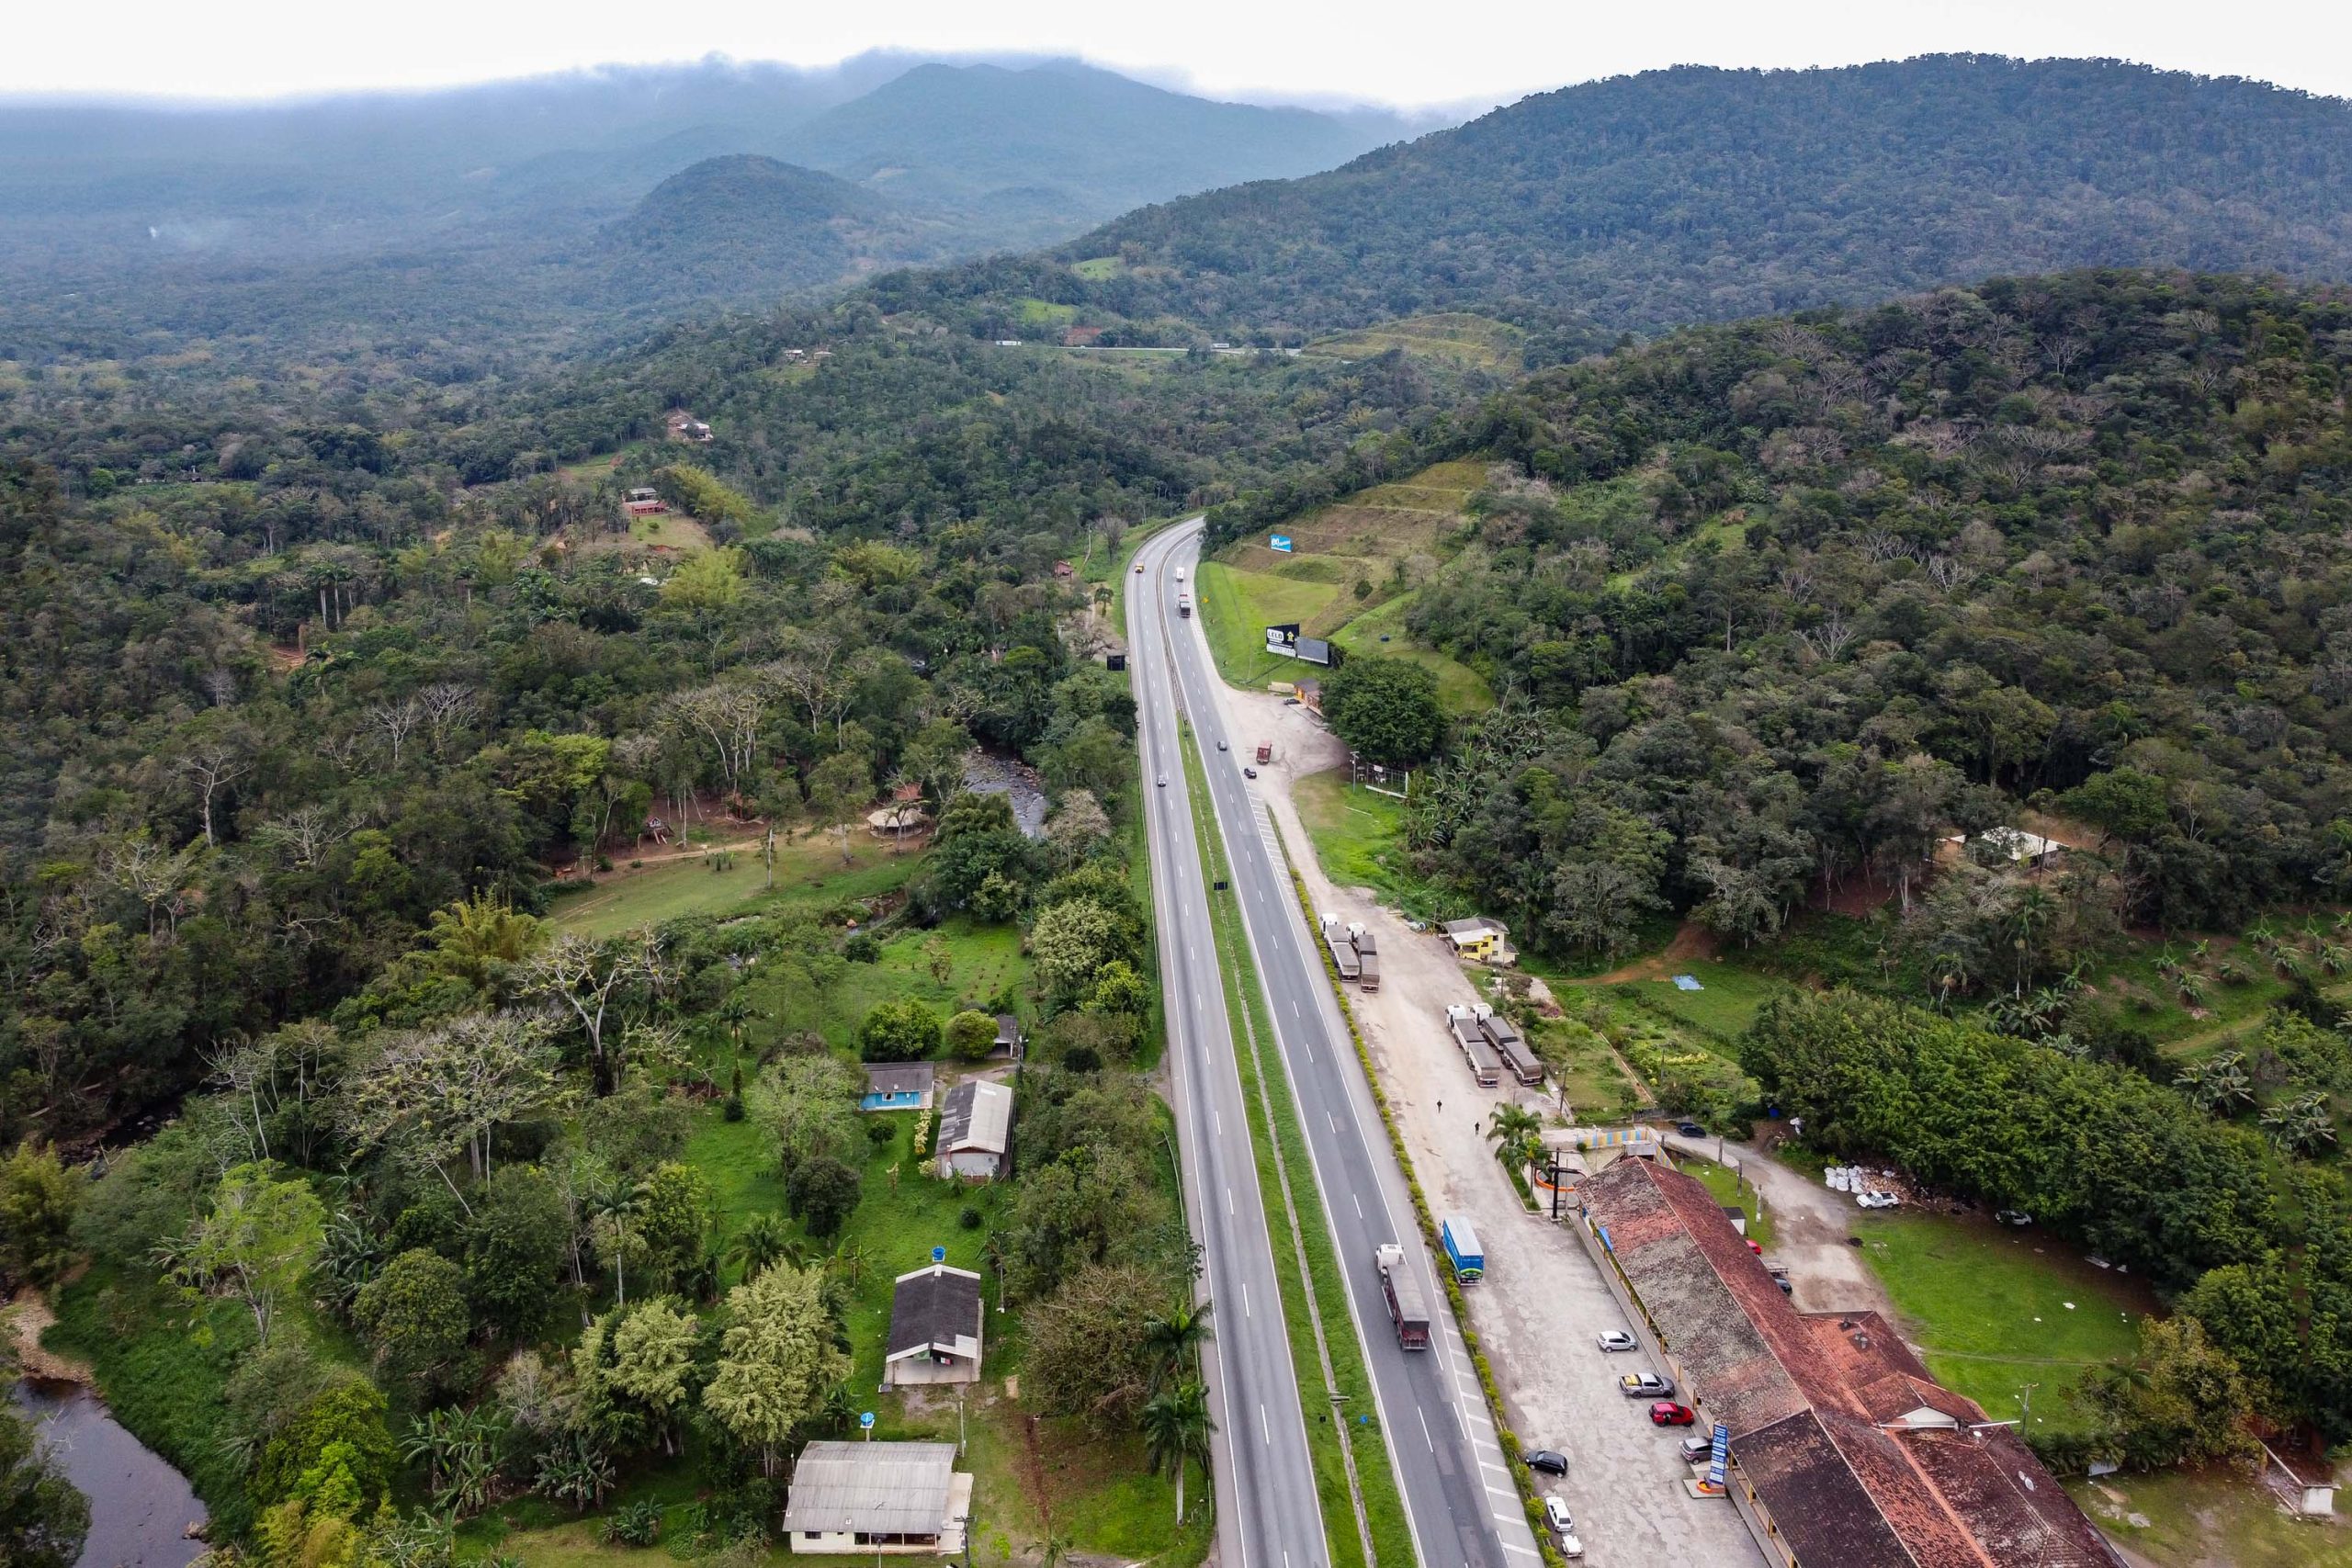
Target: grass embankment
(1283,1170)
(809,874)
(1989,1310)
(1351,567)
(1359,838)
(1719,1012)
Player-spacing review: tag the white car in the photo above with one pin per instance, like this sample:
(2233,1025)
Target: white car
(1571,1547)
(1877,1200)
(1616,1339)
(1557,1512)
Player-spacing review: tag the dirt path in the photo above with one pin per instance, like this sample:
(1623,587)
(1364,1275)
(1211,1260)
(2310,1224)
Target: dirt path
(1811,1231)
(1692,941)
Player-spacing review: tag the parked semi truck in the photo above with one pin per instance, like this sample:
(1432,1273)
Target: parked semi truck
(1404,1294)
(1519,1058)
(1485,1066)
(1343,951)
(1462,1248)
(1367,957)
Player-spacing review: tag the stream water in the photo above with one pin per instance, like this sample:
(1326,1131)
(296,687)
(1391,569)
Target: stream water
(141,1509)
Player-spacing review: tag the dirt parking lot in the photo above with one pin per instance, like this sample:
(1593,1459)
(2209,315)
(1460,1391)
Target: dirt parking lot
(1542,1303)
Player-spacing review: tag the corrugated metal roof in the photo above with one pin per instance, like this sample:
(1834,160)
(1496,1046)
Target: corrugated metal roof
(898,1078)
(879,1488)
(935,1308)
(977,1115)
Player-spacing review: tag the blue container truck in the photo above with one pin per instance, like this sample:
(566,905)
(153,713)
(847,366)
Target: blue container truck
(1462,1249)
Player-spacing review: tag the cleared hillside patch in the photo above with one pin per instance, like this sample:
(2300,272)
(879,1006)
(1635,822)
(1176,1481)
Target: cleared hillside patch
(1456,337)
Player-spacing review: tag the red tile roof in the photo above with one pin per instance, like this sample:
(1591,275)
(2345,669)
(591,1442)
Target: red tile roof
(1858,1456)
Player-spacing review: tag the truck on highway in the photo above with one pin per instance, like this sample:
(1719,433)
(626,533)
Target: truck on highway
(1404,1294)
(1367,957)
(1180,574)
(1517,1057)
(1343,951)
(1184,605)
(1462,1248)
(1485,1066)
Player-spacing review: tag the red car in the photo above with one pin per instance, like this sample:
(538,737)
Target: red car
(1665,1412)
(1753,1248)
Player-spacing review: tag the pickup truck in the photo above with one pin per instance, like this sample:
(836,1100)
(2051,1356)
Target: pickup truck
(1645,1385)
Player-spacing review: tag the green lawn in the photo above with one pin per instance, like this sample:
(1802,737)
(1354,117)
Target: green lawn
(1359,838)
(1988,1308)
(1460,691)
(1096,269)
(960,963)
(808,873)
(2209,1520)
(1727,1002)
(1238,606)
(1731,1190)
(1457,336)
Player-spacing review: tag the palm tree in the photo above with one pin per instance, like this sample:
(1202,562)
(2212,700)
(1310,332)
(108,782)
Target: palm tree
(849,1261)
(2035,910)
(1173,1340)
(764,1242)
(1176,1428)
(616,1202)
(1517,1134)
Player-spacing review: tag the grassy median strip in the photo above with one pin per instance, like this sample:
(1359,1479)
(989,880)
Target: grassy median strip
(1352,1472)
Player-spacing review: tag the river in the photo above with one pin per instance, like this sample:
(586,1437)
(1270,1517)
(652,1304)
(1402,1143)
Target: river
(985,773)
(140,1508)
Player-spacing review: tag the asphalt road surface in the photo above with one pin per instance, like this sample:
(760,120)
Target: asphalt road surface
(1268,1513)
(1463,1507)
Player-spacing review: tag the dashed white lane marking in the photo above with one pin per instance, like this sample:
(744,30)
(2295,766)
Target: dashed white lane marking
(1229,1202)
(1267,1432)
(1245,1299)
(1425,1431)
(1358,1202)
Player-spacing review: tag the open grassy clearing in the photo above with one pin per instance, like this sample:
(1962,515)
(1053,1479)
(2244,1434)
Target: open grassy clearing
(960,963)
(1238,606)
(1456,337)
(2209,1520)
(1988,1308)
(809,874)
(669,531)
(1095,269)
(1729,998)
(1254,1049)
(1460,689)
(1359,838)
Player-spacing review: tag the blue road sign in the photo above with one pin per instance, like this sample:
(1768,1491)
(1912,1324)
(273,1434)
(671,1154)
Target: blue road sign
(1279,541)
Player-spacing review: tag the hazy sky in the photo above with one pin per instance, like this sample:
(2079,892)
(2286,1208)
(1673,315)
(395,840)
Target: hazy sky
(1488,51)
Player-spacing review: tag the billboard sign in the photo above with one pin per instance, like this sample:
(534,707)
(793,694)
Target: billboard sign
(1279,542)
(1718,1457)
(1283,639)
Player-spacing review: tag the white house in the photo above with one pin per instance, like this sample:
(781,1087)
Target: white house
(900,1498)
(975,1130)
(936,1328)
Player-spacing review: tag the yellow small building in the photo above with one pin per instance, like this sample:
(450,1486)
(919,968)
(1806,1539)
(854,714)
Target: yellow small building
(1475,938)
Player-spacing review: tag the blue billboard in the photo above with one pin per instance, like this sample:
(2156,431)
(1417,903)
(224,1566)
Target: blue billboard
(1279,541)
(1718,1456)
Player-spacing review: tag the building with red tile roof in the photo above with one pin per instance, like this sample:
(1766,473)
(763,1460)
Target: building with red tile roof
(1844,1453)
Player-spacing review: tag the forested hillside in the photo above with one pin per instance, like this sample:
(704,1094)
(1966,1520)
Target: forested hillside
(1699,194)
(1780,605)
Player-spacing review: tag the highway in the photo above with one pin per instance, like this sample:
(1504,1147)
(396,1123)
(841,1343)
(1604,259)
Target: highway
(1461,1501)
(1267,1511)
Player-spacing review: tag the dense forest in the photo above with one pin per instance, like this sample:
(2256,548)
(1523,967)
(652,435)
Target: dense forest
(1781,604)
(1697,194)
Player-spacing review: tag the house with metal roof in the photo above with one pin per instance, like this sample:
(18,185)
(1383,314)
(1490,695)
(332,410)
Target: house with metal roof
(975,1130)
(1474,938)
(898,1498)
(1844,1452)
(935,1328)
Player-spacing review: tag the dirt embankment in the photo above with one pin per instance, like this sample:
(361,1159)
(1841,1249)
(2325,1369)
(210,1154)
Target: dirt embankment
(22,1322)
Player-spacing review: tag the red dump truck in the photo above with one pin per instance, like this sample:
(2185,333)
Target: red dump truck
(1265,753)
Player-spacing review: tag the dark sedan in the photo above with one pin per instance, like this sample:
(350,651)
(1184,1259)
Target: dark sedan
(1549,1463)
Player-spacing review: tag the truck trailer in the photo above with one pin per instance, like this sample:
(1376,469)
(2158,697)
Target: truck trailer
(1367,957)
(1343,951)
(1462,1248)
(1184,605)
(1404,1295)
(1518,1058)
(1485,1066)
